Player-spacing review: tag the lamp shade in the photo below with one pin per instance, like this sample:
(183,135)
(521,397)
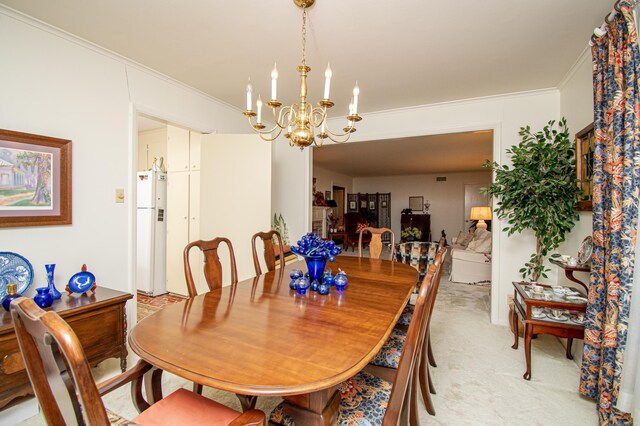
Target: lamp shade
(480,213)
(332,203)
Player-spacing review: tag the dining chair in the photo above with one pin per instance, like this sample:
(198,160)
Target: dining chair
(271,250)
(368,399)
(61,378)
(212,265)
(405,318)
(386,361)
(375,245)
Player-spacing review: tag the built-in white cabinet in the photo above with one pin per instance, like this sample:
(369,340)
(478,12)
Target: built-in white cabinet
(152,144)
(183,204)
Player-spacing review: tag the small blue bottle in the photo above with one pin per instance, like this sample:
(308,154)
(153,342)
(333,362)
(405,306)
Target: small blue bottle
(12,293)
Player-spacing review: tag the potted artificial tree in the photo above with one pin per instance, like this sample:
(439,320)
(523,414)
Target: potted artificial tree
(539,191)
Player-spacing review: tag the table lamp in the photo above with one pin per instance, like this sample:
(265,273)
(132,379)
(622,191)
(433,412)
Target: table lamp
(481,214)
(332,203)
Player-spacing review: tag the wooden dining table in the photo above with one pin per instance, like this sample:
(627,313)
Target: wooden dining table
(262,338)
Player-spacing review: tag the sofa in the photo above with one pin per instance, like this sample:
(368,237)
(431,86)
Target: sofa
(471,257)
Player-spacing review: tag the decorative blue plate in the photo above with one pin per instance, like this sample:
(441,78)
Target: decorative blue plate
(81,282)
(14,269)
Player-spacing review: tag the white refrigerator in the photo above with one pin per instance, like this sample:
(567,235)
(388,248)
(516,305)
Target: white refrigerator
(151,271)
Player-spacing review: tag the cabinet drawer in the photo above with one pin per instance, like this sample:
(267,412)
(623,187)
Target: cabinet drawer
(100,332)
(12,372)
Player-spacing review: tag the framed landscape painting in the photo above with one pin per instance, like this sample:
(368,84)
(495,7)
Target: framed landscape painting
(35,180)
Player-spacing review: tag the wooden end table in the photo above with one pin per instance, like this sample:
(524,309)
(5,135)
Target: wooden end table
(340,235)
(534,310)
(569,270)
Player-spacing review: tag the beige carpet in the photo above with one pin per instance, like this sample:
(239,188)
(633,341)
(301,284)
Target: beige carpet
(145,310)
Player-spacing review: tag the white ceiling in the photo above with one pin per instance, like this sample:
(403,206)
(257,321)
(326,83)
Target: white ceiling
(456,152)
(402,53)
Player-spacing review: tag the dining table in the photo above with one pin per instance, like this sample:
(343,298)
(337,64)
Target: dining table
(260,337)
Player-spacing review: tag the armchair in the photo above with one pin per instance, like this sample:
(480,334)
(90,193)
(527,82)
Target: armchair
(352,222)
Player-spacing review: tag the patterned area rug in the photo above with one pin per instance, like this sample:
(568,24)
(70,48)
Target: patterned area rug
(146,310)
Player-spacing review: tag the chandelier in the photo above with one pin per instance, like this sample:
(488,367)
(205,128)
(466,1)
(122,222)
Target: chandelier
(301,120)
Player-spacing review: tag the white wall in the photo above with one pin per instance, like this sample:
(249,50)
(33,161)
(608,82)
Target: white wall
(446,198)
(576,104)
(291,187)
(326,179)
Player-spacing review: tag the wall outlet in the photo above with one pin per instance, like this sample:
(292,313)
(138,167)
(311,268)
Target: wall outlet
(119,195)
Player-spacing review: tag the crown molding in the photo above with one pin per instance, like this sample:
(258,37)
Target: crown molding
(586,54)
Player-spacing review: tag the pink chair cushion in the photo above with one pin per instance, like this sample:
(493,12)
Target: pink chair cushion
(184,407)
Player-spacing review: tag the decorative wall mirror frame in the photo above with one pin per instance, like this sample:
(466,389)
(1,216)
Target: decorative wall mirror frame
(585,146)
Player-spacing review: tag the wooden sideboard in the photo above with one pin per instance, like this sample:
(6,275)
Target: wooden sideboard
(99,319)
(420,221)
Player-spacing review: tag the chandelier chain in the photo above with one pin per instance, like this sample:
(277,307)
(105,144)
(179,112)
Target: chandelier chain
(304,36)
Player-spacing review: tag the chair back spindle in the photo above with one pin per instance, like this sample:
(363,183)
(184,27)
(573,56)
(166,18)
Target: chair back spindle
(271,250)
(375,246)
(57,367)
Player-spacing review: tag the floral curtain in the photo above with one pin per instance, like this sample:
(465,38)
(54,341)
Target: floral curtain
(616,183)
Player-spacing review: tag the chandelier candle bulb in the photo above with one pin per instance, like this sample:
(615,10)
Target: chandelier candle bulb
(327,82)
(259,106)
(249,90)
(356,92)
(274,80)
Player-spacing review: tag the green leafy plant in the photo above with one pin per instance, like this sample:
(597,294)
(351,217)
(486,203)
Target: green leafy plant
(539,191)
(411,232)
(281,226)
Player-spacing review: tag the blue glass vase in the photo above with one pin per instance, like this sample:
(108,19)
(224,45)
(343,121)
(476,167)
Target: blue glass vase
(43,297)
(315,265)
(51,285)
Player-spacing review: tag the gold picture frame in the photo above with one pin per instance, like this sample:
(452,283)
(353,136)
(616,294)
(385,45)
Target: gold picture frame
(35,180)
(585,147)
(416,203)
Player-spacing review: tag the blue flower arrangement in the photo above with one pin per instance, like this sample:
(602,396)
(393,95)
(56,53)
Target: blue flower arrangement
(312,245)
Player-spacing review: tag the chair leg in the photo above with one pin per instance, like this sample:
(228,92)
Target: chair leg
(404,412)
(432,388)
(197,388)
(414,419)
(248,402)
(432,359)
(424,388)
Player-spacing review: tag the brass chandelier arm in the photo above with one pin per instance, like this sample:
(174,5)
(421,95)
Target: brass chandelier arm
(259,128)
(285,117)
(317,116)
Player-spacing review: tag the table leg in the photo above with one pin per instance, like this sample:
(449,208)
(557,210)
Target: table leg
(528,333)
(314,409)
(514,327)
(569,344)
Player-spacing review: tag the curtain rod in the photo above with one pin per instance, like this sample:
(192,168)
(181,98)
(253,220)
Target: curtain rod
(602,29)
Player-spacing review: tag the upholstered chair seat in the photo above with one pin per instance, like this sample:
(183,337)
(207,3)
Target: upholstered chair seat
(363,400)
(389,355)
(407,314)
